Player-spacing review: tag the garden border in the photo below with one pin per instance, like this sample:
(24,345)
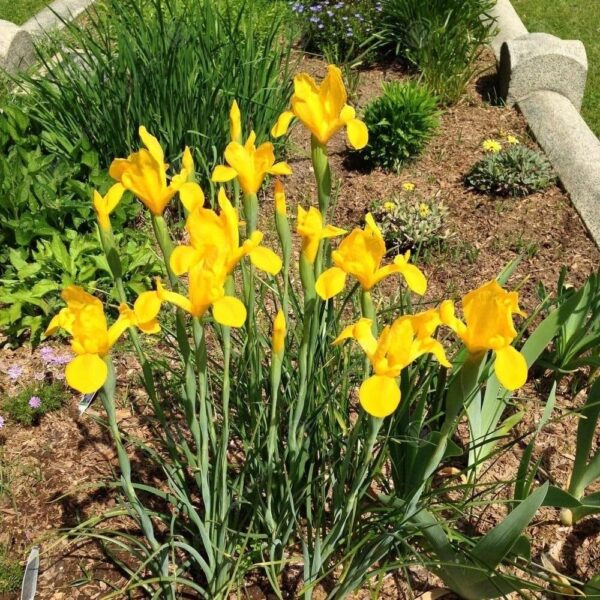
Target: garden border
(553,74)
(17,44)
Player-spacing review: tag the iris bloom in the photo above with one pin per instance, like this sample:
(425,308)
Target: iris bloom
(310,228)
(249,164)
(323,110)
(104,205)
(206,289)
(215,239)
(85,320)
(235,123)
(279,331)
(488,325)
(280,205)
(360,254)
(144,174)
(399,344)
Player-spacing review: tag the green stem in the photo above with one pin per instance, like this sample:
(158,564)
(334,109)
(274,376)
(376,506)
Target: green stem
(322,174)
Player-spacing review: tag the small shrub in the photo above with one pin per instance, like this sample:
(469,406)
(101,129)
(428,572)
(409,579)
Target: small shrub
(514,171)
(23,408)
(409,221)
(401,121)
(442,39)
(337,30)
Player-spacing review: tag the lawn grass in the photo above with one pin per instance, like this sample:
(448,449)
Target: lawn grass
(18,12)
(571,19)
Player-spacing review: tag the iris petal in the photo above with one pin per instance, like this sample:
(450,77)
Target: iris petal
(330,283)
(379,396)
(86,373)
(229,311)
(511,368)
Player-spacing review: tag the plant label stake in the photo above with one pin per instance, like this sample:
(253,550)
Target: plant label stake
(30,577)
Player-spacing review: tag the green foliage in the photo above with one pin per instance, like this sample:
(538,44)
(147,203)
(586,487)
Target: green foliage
(21,11)
(11,574)
(514,171)
(183,62)
(442,39)
(340,31)
(408,221)
(17,407)
(401,121)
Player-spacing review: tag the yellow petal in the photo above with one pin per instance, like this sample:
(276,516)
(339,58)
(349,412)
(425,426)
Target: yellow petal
(191,196)
(330,231)
(358,134)
(266,260)
(279,330)
(281,168)
(146,307)
(153,145)
(379,396)
(187,161)
(280,128)
(173,298)
(229,311)
(183,259)
(414,277)
(235,123)
(86,373)
(280,206)
(221,174)
(511,368)
(330,283)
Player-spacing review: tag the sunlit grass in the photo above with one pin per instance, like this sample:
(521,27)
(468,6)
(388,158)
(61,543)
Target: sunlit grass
(18,12)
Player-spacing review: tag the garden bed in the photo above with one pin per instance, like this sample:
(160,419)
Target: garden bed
(44,464)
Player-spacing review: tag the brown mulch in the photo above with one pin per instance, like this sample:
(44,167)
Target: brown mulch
(66,452)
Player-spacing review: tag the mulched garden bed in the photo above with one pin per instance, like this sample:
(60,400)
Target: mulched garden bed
(64,452)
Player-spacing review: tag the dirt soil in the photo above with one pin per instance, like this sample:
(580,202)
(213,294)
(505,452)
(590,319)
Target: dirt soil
(49,472)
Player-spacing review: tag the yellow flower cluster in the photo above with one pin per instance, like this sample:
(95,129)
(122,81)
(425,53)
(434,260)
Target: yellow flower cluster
(215,248)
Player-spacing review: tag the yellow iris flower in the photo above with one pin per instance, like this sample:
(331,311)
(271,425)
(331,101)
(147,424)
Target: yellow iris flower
(144,174)
(280,205)
(279,331)
(399,344)
(323,109)
(85,320)
(360,254)
(215,240)
(235,123)
(206,289)
(488,325)
(104,205)
(311,230)
(249,164)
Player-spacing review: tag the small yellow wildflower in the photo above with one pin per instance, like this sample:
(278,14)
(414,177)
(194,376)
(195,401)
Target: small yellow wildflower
(389,206)
(512,140)
(493,146)
(424,210)
(408,186)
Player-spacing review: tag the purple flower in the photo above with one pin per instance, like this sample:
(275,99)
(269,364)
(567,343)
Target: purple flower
(39,376)
(15,372)
(35,402)
(47,354)
(2,421)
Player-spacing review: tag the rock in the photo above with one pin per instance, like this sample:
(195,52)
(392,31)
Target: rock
(508,25)
(542,62)
(16,47)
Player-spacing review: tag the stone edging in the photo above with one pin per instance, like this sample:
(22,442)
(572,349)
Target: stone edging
(545,77)
(17,44)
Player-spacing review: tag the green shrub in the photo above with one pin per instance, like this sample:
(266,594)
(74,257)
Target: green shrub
(514,171)
(171,65)
(18,409)
(401,121)
(409,221)
(340,31)
(443,39)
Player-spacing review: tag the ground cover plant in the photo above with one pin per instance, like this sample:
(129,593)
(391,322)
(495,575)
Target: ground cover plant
(514,170)
(301,419)
(571,20)
(442,39)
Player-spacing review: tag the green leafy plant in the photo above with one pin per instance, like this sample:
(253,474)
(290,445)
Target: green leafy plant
(408,221)
(442,39)
(184,61)
(513,171)
(11,574)
(401,121)
(19,408)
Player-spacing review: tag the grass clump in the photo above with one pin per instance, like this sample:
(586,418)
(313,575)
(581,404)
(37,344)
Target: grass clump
(515,171)
(442,39)
(400,122)
(34,401)
(11,574)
